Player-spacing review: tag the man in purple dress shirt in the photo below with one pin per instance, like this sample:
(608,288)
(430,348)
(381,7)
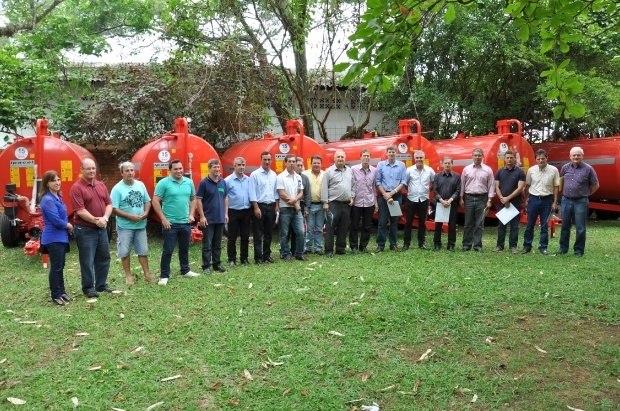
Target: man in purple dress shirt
(364,202)
(477,190)
(578,181)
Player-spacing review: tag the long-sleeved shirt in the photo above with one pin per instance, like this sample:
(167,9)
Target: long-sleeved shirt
(238,191)
(263,186)
(338,184)
(478,180)
(447,186)
(365,188)
(419,183)
(54,213)
(389,176)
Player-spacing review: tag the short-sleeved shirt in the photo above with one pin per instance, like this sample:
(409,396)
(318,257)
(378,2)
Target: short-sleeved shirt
(238,191)
(291,183)
(509,181)
(175,198)
(542,181)
(213,193)
(315,184)
(419,182)
(130,199)
(92,197)
(578,180)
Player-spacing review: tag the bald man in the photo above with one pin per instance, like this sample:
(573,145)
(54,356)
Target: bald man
(93,207)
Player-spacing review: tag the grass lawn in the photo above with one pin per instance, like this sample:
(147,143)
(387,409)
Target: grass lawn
(500,331)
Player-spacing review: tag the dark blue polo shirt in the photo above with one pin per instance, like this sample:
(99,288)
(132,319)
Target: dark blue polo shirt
(508,182)
(212,195)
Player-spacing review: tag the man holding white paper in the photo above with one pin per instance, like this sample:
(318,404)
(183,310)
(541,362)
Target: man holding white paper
(509,184)
(447,185)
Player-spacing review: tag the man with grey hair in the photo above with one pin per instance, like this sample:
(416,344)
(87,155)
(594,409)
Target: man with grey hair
(578,181)
(337,194)
(238,186)
(212,206)
(477,190)
(131,204)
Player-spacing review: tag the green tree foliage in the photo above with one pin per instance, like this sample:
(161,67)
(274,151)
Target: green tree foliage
(383,40)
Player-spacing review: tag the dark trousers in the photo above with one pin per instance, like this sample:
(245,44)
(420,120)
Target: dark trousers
(238,225)
(513,238)
(339,227)
(178,233)
(421,209)
(474,221)
(365,214)
(212,245)
(57,252)
(263,230)
(451,228)
(384,217)
(94,254)
(538,207)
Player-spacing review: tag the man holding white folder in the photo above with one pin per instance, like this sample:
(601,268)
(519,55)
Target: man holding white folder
(447,185)
(509,184)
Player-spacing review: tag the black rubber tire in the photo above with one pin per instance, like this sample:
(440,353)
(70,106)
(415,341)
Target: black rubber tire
(8,232)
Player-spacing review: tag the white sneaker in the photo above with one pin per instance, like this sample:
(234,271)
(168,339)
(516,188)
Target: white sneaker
(191,274)
(162,281)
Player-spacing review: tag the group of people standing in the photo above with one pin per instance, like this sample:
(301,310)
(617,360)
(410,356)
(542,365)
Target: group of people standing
(341,199)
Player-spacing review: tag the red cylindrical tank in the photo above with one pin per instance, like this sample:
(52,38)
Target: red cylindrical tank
(603,154)
(406,143)
(22,165)
(151,161)
(494,146)
(293,142)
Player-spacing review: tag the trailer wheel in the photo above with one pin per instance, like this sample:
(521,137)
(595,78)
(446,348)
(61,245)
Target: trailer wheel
(8,232)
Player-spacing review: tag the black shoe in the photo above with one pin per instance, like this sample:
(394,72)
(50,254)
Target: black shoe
(478,249)
(300,258)
(219,269)
(341,252)
(106,289)
(245,262)
(438,247)
(466,248)
(379,249)
(450,248)
(258,261)
(578,254)
(66,298)
(394,247)
(405,247)
(354,250)
(59,301)
(329,255)
(561,253)
(287,258)
(543,251)
(269,260)
(363,250)
(91,294)
(423,247)
(526,250)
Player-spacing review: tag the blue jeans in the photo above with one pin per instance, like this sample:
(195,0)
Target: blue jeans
(384,216)
(212,245)
(178,233)
(474,221)
(513,238)
(57,252)
(290,217)
(538,207)
(574,211)
(94,254)
(314,236)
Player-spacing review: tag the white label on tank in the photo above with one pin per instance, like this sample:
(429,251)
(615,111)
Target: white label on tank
(402,148)
(21,153)
(164,156)
(284,148)
(503,147)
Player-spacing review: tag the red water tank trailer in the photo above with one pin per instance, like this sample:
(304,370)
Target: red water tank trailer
(406,142)
(494,146)
(22,165)
(292,142)
(603,154)
(152,160)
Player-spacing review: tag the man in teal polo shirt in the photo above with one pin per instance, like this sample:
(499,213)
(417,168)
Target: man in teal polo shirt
(173,202)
